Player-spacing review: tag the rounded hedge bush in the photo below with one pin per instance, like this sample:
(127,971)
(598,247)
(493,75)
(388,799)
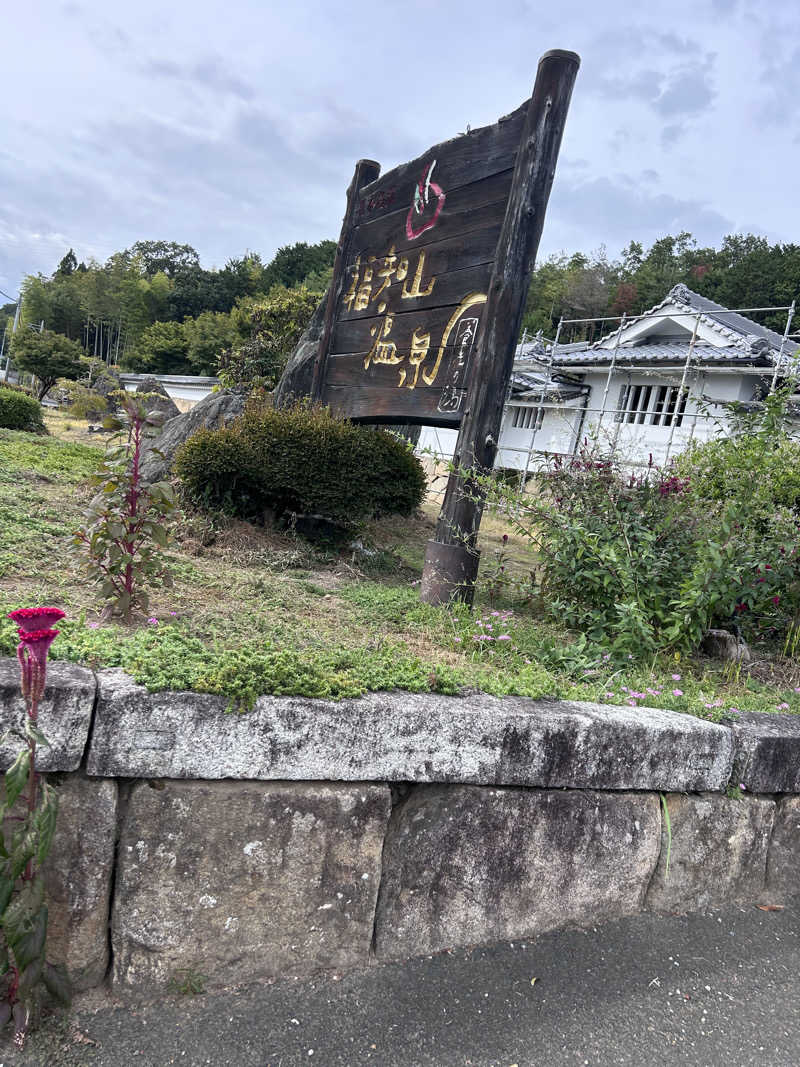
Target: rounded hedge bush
(300,461)
(19,411)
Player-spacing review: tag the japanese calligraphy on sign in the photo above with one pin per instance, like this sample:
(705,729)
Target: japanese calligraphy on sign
(416,255)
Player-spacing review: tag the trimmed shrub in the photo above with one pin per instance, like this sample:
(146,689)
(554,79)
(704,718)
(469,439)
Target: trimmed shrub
(300,461)
(19,411)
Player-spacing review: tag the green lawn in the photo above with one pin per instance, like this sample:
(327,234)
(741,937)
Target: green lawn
(257,611)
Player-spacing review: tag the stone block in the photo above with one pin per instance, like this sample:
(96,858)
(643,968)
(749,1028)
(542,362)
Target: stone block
(65,714)
(464,865)
(244,880)
(77,877)
(413,737)
(718,853)
(783,861)
(767,758)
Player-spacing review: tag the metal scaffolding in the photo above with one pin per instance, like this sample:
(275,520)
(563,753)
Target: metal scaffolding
(689,373)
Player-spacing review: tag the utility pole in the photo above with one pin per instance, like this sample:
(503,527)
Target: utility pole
(4,366)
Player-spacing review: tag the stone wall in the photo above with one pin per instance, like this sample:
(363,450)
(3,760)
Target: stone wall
(311,835)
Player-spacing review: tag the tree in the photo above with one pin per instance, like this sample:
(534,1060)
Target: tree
(47,355)
(68,265)
(162,349)
(292,264)
(208,336)
(167,256)
(275,325)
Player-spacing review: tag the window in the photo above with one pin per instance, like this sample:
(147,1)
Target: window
(527,418)
(658,405)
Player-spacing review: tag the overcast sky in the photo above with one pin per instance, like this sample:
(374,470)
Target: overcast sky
(233,126)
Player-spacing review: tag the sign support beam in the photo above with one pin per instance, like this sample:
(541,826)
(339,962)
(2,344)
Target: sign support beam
(451,559)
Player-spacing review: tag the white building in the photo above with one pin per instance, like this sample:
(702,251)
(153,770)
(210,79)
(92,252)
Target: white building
(647,388)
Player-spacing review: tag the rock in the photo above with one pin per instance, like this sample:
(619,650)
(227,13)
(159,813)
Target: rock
(718,853)
(783,861)
(105,384)
(296,379)
(410,737)
(464,866)
(767,756)
(65,714)
(78,879)
(240,880)
(720,644)
(213,411)
(159,400)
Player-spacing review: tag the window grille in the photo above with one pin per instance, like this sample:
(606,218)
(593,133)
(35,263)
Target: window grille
(528,418)
(657,405)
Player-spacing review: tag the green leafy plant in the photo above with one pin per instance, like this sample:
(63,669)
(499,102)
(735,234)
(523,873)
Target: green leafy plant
(300,461)
(27,835)
(18,411)
(126,526)
(188,982)
(272,327)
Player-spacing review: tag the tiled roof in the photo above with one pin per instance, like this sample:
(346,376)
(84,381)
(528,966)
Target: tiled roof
(745,342)
(668,352)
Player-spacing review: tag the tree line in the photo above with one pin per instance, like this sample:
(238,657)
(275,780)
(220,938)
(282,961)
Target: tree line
(745,271)
(154,308)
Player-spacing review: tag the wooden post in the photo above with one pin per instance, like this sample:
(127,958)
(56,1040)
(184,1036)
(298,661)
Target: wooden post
(451,559)
(367,170)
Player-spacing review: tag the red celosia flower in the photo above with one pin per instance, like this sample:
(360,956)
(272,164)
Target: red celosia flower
(31,619)
(32,655)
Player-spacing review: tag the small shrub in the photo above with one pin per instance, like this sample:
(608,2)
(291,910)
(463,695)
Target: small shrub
(300,461)
(85,403)
(18,411)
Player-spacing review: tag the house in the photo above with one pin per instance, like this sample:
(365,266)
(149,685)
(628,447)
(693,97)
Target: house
(646,389)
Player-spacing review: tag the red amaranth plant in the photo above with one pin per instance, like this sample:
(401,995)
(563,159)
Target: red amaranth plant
(125,524)
(23,911)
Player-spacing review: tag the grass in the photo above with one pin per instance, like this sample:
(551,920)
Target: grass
(259,611)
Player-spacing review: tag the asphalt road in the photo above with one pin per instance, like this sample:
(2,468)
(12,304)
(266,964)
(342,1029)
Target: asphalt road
(706,990)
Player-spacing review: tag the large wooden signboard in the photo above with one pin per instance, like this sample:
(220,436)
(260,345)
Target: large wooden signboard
(418,250)
(429,285)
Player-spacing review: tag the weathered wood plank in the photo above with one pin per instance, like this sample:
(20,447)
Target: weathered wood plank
(469,157)
(427,314)
(477,204)
(373,404)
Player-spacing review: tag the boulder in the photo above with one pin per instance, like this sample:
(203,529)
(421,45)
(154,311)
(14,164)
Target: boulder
(783,861)
(407,737)
(767,758)
(77,877)
(241,880)
(159,399)
(296,379)
(65,714)
(464,865)
(216,410)
(721,644)
(106,383)
(717,855)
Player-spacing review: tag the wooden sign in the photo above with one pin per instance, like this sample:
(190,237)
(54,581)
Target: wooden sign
(429,285)
(418,249)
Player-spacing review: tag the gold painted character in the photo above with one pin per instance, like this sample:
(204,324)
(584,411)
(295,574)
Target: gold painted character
(382,351)
(415,290)
(420,346)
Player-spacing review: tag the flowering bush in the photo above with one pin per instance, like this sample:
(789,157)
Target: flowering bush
(644,562)
(125,525)
(24,847)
